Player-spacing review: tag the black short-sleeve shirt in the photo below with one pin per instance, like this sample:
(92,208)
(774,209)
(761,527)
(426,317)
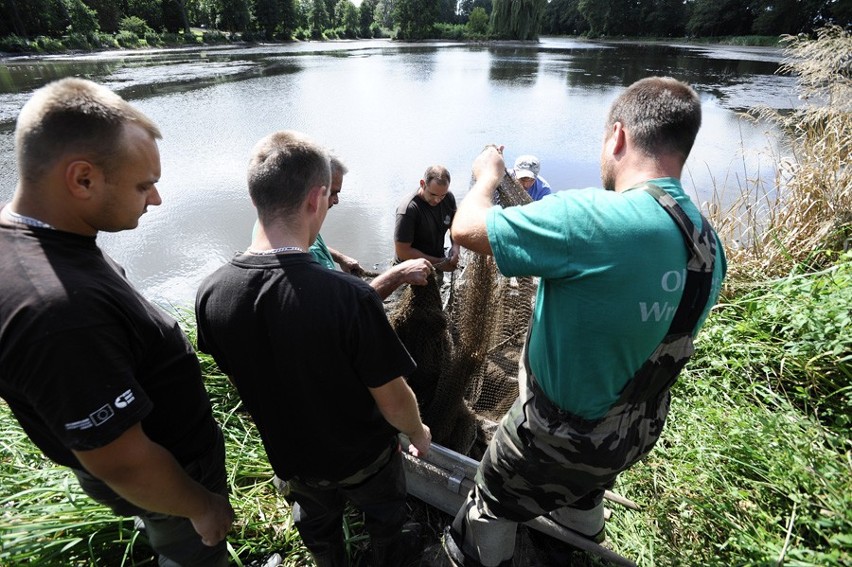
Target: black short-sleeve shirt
(423,225)
(83,356)
(303,344)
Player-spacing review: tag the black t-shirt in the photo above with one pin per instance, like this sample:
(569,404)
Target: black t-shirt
(303,344)
(423,225)
(83,356)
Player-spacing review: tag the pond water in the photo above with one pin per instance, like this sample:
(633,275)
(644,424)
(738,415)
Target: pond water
(389,109)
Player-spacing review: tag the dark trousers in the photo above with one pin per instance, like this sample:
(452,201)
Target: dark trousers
(172,537)
(318,514)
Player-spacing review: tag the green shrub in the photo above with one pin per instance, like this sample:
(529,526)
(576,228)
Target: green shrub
(127,39)
(377,31)
(794,335)
(84,20)
(170,38)
(153,39)
(477,22)
(104,40)
(134,24)
(76,40)
(449,31)
(14,44)
(214,37)
(48,44)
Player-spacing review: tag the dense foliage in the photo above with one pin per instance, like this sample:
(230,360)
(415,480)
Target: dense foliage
(86,24)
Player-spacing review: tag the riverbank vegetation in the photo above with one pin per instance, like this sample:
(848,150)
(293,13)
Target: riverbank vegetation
(755,464)
(47,26)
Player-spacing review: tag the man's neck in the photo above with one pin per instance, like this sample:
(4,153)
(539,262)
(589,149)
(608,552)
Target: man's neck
(269,237)
(649,170)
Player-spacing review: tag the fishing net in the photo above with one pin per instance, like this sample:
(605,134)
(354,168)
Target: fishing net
(468,346)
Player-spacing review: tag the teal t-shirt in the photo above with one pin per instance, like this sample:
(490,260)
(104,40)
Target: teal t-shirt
(321,254)
(612,268)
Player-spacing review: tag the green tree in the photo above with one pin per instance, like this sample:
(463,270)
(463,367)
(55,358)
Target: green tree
(267,15)
(665,18)
(840,12)
(776,17)
(83,19)
(416,18)
(477,22)
(151,11)
(329,9)
(302,14)
(109,14)
(596,13)
(233,15)
(176,15)
(319,18)
(711,18)
(346,15)
(466,7)
(517,19)
(385,13)
(32,18)
(447,11)
(366,16)
(562,17)
(12,21)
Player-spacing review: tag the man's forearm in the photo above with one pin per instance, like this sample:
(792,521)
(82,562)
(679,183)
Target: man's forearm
(404,251)
(386,283)
(153,480)
(468,227)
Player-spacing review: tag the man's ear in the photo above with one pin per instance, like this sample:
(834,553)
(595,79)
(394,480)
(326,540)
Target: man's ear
(81,176)
(618,137)
(316,193)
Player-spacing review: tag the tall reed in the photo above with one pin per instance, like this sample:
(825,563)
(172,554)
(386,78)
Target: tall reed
(807,218)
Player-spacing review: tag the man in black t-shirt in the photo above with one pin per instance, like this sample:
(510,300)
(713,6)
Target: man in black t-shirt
(422,221)
(314,359)
(100,379)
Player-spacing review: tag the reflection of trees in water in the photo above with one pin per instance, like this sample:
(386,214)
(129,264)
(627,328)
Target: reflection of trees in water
(623,64)
(516,65)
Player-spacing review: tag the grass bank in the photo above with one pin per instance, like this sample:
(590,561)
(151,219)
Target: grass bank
(755,464)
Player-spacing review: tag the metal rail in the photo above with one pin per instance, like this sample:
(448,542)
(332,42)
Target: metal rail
(443,478)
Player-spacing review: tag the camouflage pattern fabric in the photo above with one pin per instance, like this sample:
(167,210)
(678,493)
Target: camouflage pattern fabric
(542,459)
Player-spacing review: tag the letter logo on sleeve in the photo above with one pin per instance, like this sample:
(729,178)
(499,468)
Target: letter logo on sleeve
(124,399)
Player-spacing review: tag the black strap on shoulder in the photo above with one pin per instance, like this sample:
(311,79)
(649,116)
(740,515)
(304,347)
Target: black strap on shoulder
(660,371)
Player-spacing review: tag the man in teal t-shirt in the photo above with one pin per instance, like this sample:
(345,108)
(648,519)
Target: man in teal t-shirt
(613,267)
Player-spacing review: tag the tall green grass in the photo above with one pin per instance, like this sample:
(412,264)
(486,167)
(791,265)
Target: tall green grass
(755,464)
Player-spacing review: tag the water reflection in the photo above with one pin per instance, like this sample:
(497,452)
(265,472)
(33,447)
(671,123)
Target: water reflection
(389,110)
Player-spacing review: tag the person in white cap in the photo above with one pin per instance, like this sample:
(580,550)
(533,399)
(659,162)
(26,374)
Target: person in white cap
(527,168)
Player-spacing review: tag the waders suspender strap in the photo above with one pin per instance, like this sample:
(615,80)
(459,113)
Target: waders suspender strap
(661,369)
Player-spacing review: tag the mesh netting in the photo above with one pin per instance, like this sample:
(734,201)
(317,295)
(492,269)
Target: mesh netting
(468,348)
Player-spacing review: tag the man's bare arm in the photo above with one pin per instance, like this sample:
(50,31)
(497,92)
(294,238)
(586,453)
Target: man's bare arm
(468,227)
(398,405)
(147,475)
(415,272)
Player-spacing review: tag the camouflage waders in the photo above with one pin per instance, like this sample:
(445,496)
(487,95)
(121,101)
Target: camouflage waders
(543,459)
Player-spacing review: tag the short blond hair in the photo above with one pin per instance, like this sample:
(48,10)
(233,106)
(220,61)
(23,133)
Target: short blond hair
(74,115)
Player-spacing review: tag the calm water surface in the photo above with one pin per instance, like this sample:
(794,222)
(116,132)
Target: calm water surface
(389,110)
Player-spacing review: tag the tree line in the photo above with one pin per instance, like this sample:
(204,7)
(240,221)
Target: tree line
(101,23)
